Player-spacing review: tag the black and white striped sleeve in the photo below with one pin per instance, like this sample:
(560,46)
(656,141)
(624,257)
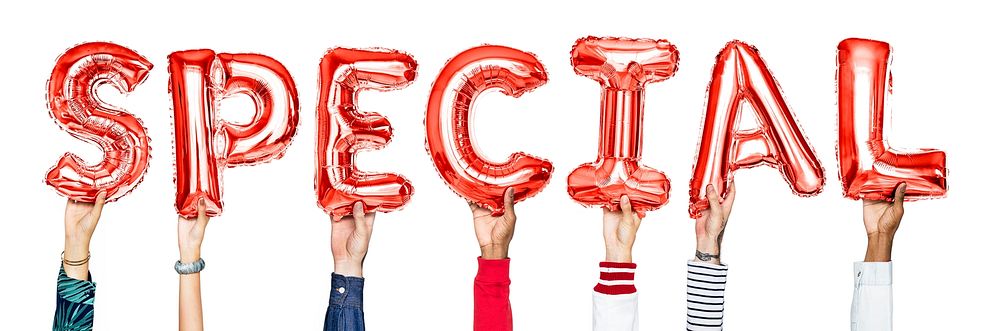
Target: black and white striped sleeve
(706,287)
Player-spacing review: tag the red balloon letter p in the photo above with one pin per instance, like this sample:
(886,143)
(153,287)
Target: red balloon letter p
(205,144)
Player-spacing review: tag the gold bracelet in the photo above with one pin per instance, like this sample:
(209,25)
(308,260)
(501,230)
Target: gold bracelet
(74,263)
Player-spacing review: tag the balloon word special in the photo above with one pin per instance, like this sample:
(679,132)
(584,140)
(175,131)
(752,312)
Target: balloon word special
(206,144)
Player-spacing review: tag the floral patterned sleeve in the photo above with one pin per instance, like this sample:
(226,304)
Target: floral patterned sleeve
(74,303)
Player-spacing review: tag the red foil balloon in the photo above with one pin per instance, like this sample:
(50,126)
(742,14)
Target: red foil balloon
(76,107)
(623,67)
(205,143)
(344,130)
(449,115)
(864,83)
(739,77)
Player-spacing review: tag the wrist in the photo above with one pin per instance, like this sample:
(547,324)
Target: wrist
(707,250)
(618,255)
(703,257)
(881,237)
(710,245)
(76,249)
(76,265)
(493,251)
(879,247)
(190,255)
(351,269)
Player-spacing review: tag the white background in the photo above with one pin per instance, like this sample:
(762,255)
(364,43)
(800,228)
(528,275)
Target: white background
(268,256)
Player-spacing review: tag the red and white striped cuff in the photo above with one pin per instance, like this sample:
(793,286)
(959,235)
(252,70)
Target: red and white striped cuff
(616,278)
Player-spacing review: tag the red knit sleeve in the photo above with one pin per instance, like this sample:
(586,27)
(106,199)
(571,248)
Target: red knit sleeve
(492,296)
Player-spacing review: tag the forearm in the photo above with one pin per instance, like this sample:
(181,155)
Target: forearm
(190,318)
(706,287)
(706,284)
(491,294)
(74,303)
(345,311)
(190,312)
(615,301)
(871,308)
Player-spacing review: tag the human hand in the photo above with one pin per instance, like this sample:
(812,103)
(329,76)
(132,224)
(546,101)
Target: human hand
(620,228)
(349,238)
(190,233)
(710,227)
(881,221)
(81,220)
(494,232)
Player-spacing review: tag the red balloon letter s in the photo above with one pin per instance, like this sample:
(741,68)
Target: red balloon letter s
(205,143)
(77,108)
(450,111)
(741,76)
(863,85)
(344,130)
(623,67)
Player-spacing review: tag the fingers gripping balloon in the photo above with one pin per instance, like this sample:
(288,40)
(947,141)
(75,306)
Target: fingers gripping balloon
(623,67)
(77,108)
(449,114)
(205,143)
(864,83)
(344,130)
(739,77)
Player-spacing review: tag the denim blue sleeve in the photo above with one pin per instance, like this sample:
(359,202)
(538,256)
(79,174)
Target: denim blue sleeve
(74,303)
(345,311)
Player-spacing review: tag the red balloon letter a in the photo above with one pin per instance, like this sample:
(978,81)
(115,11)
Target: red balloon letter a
(344,130)
(863,84)
(740,76)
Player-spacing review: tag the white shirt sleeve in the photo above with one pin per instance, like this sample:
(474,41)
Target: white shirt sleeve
(616,312)
(616,303)
(871,309)
(706,289)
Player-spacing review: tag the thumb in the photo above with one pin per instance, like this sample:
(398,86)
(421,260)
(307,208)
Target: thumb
(99,205)
(508,203)
(202,213)
(202,209)
(358,215)
(713,199)
(626,205)
(897,200)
